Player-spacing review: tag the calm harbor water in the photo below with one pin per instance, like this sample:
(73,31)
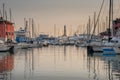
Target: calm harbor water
(58,63)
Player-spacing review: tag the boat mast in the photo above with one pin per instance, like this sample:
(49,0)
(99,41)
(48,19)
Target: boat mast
(106,22)
(0,13)
(109,32)
(112,19)
(87,31)
(4,22)
(3,10)
(89,27)
(98,26)
(10,15)
(54,30)
(38,29)
(24,23)
(97,19)
(32,28)
(6,15)
(94,18)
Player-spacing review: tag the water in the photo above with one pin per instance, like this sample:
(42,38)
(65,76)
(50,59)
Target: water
(58,63)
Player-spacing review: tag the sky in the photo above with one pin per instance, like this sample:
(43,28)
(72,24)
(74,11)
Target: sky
(72,13)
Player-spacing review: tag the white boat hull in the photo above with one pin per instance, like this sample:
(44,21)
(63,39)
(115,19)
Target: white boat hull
(117,50)
(22,46)
(97,49)
(4,48)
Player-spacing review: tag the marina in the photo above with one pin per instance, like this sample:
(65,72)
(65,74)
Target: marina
(61,51)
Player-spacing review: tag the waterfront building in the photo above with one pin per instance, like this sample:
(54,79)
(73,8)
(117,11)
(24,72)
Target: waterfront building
(6,30)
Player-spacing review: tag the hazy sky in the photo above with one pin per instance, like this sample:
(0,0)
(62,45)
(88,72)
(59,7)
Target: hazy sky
(46,13)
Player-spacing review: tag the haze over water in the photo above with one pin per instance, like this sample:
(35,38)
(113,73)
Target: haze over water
(61,63)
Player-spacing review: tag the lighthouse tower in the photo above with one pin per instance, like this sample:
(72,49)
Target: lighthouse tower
(65,31)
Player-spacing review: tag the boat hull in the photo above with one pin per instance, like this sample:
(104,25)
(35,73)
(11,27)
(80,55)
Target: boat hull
(97,49)
(5,48)
(117,50)
(108,51)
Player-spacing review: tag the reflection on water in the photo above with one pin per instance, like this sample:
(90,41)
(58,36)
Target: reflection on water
(58,63)
(113,64)
(6,66)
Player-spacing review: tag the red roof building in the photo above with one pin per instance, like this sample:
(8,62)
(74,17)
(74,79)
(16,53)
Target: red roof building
(6,29)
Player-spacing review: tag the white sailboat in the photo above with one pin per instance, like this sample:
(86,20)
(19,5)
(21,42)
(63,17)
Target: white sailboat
(115,49)
(3,47)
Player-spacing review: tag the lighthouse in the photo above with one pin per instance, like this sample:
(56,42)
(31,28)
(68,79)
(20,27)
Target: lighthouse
(65,31)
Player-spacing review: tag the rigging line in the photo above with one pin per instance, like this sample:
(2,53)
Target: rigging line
(118,10)
(85,32)
(104,12)
(0,13)
(13,20)
(92,24)
(98,18)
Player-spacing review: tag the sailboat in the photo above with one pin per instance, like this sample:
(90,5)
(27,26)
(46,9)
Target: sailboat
(111,49)
(105,46)
(5,48)
(96,44)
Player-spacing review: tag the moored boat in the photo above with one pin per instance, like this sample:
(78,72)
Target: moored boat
(4,47)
